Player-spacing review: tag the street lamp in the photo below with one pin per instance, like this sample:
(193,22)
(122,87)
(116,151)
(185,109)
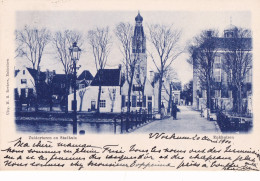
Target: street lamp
(74,54)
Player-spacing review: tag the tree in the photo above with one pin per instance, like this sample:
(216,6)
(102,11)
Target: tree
(100,42)
(142,81)
(112,96)
(238,63)
(124,33)
(203,52)
(170,75)
(81,95)
(165,41)
(62,41)
(31,43)
(49,83)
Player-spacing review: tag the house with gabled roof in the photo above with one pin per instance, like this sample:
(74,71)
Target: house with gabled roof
(25,82)
(110,99)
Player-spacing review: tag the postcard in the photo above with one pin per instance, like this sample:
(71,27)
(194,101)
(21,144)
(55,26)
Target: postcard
(129,85)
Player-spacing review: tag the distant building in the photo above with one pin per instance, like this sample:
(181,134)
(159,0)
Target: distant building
(221,87)
(84,79)
(176,92)
(110,99)
(51,85)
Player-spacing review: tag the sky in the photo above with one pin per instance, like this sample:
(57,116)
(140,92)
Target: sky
(190,23)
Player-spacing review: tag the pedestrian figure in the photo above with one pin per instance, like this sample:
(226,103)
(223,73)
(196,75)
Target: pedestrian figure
(174,111)
(162,110)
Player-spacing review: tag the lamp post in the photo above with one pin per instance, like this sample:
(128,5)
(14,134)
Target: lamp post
(74,54)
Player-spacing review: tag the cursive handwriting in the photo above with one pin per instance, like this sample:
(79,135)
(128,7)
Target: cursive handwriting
(69,153)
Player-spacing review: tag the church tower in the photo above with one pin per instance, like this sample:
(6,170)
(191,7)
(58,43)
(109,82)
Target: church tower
(139,48)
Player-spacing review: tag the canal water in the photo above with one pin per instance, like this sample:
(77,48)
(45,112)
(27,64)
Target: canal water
(63,127)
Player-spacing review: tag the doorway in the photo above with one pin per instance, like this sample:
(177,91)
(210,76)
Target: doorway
(93,105)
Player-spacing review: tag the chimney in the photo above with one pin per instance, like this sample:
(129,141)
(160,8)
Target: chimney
(119,66)
(151,76)
(54,72)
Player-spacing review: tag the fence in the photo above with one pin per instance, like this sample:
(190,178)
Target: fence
(228,123)
(130,121)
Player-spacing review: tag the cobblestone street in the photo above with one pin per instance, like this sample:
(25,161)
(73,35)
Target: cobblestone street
(188,121)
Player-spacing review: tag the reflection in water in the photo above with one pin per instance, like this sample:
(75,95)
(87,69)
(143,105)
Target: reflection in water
(62,127)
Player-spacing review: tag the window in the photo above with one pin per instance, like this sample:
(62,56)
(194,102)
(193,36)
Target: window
(249,75)
(217,75)
(217,93)
(81,86)
(23,81)
(23,72)
(230,76)
(144,101)
(137,87)
(102,103)
(126,101)
(204,93)
(133,101)
(30,92)
(139,101)
(123,100)
(230,94)
(248,93)
(150,98)
(23,93)
(138,68)
(218,60)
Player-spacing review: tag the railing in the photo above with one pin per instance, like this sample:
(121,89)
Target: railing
(229,123)
(131,121)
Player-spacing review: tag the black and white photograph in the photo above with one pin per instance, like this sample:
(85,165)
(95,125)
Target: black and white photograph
(133,72)
(159,85)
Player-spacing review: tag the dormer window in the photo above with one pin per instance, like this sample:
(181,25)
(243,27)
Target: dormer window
(23,81)
(137,87)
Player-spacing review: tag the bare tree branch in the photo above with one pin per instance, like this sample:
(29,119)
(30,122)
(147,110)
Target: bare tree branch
(100,41)
(165,41)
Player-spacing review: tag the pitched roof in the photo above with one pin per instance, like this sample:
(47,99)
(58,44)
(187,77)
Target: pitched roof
(176,85)
(107,77)
(85,75)
(60,78)
(16,72)
(33,72)
(155,78)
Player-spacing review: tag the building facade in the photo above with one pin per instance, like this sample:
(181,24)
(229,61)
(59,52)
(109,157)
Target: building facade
(142,95)
(222,87)
(110,98)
